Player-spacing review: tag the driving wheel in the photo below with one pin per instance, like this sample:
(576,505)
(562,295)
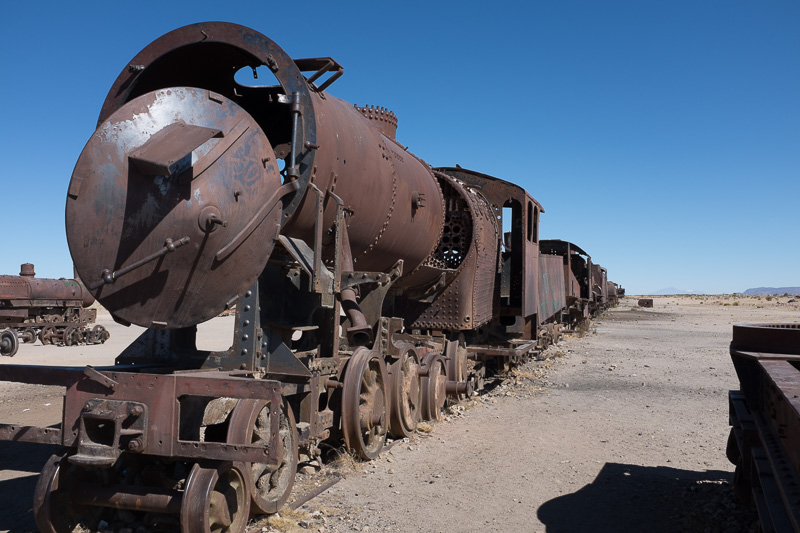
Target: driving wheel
(406,394)
(251,423)
(364,404)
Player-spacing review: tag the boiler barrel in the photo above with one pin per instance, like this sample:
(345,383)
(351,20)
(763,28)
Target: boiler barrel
(394,201)
(40,289)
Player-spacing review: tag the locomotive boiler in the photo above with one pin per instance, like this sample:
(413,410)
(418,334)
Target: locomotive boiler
(51,310)
(368,286)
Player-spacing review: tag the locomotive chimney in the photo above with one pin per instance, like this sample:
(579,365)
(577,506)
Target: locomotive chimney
(26,269)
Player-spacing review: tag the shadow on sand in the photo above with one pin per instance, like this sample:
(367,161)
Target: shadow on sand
(631,498)
(17,493)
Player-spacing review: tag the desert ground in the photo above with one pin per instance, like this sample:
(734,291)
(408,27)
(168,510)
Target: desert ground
(620,428)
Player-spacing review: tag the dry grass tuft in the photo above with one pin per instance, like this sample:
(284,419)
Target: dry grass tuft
(424,427)
(287,521)
(533,375)
(345,463)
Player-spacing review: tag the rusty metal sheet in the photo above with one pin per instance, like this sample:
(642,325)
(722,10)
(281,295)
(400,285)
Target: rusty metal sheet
(552,299)
(577,266)
(768,338)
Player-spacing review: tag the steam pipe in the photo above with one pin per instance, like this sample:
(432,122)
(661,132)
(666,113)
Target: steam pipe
(360,332)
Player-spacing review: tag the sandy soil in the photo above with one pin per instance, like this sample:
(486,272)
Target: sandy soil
(622,429)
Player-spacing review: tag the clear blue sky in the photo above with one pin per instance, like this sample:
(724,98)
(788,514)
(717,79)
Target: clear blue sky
(662,137)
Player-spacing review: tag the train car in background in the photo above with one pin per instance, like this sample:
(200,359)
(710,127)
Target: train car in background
(612,294)
(577,266)
(55,311)
(599,289)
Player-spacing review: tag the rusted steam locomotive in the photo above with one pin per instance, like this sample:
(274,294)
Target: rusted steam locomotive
(51,310)
(368,286)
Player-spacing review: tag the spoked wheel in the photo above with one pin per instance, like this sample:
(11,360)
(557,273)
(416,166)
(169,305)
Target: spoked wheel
(53,507)
(28,335)
(364,404)
(98,335)
(216,499)
(71,336)
(47,335)
(434,386)
(406,395)
(250,423)
(9,342)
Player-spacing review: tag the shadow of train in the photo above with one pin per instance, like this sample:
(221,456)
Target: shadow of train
(631,498)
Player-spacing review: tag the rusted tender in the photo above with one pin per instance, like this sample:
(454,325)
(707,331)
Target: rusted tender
(51,310)
(368,286)
(577,266)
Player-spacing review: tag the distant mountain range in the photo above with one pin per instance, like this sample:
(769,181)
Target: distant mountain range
(773,290)
(756,290)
